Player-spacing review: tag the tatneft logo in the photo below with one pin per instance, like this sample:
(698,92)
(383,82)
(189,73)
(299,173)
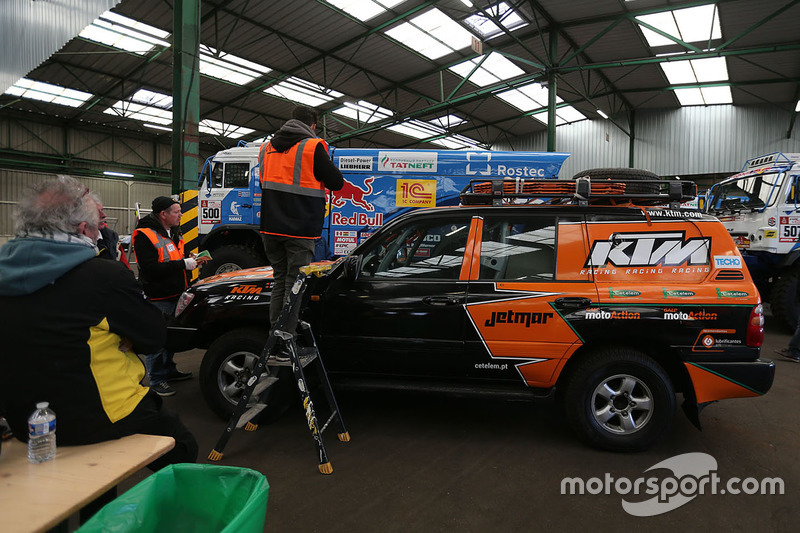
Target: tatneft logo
(727,261)
(407,161)
(692,474)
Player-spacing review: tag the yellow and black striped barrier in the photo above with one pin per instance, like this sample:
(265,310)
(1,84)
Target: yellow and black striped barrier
(189,228)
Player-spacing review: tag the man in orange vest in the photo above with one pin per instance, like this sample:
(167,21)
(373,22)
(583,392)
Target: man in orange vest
(164,275)
(295,171)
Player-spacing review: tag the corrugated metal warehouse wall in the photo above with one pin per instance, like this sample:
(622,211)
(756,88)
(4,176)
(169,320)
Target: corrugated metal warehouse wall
(690,140)
(29,33)
(119,198)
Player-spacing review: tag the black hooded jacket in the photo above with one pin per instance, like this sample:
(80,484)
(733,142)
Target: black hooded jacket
(161,281)
(287,213)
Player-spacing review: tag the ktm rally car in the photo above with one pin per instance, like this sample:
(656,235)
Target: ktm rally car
(611,308)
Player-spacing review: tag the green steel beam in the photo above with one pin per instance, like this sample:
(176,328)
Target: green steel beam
(185,94)
(758,24)
(552,87)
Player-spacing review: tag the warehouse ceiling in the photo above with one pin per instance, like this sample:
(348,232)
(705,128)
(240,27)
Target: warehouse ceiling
(420,74)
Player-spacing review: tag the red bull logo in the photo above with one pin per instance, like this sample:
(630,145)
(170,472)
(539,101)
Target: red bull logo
(354,194)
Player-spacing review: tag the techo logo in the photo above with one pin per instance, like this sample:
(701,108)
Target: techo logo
(727,261)
(692,474)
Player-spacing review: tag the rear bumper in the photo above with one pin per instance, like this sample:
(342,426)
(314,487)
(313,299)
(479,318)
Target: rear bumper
(715,380)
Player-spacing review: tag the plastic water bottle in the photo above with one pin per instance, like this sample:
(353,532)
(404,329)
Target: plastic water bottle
(42,434)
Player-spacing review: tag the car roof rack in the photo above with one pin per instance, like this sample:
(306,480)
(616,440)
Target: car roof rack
(581,191)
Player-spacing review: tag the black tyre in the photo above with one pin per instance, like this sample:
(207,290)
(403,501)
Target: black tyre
(228,365)
(624,174)
(620,400)
(784,298)
(230,258)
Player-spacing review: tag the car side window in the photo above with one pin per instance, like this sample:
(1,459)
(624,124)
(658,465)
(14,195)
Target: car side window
(518,248)
(216,175)
(427,249)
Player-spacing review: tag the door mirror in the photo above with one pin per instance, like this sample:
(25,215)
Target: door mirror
(352,267)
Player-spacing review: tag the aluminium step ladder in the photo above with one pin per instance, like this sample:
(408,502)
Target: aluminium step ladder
(300,357)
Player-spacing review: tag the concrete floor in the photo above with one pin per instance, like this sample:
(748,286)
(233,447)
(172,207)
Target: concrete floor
(423,463)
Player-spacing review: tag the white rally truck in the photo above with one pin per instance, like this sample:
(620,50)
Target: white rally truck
(760,208)
(378,185)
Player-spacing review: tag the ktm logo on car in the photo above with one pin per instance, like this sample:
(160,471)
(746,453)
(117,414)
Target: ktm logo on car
(246,289)
(649,249)
(515,317)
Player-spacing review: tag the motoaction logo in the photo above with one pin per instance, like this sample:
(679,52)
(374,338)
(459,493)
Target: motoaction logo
(673,482)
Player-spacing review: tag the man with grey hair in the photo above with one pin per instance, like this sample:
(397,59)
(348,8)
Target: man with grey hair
(71,325)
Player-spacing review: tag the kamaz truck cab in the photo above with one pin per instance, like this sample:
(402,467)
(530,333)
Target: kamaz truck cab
(760,209)
(378,185)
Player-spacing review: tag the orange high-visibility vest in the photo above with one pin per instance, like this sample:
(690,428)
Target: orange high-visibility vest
(166,248)
(293,170)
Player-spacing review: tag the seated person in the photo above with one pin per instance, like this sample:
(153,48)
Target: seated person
(72,324)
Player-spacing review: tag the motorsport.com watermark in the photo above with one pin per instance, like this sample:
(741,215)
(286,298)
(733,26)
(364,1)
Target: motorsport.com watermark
(693,474)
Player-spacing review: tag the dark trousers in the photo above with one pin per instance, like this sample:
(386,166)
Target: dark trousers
(151,418)
(286,255)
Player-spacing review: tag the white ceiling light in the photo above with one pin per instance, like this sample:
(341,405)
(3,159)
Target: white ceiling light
(124,33)
(600,112)
(228,67)
(432,34)
(494,68)
(117,174)
(303,92)
(47,92)
(690,25)
(486,27)
(364,10)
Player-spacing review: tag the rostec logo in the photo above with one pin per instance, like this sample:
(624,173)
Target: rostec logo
(515,317)
(649,249)
(246,289)
(476,159)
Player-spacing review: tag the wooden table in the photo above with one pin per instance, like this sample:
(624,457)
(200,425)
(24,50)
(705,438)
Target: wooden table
(37,497)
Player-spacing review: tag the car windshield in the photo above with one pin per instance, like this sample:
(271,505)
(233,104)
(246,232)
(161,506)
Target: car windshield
(753,192)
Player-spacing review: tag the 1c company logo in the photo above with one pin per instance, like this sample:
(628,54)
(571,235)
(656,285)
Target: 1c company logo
(692,474)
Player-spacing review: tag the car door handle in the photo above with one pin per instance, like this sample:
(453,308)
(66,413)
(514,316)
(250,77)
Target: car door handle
(573,302)
(248,206)
(440,301)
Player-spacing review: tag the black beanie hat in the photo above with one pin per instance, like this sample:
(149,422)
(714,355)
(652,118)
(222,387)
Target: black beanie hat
(163,202)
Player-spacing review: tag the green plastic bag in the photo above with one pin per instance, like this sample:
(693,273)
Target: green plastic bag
(189,497)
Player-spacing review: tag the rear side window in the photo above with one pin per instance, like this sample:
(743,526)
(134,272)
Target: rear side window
(424,249)
(231,175)
(518,248)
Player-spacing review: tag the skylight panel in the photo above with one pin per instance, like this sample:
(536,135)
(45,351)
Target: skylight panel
(228,67)
(495,68)
(528,97)
(699,71)
(487,29)
(678,72)
(364,10)
(711,69)
(690,25)
(689,96)
(564,115)
(124,33)
(145,113)
(432,34)
(303,92)
(47,92)
(143,96)
(232,131)
(457,142)
(717,95)
(416,129)
(362,111)
(448,121)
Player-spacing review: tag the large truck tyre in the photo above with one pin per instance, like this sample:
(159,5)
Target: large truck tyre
(230,258)
(785,298)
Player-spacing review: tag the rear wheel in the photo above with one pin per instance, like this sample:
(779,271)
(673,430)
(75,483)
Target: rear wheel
(228,365)
(620,400)
(231,258)
(785,298)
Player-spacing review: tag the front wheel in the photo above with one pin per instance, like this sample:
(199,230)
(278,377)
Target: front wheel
(228,366)
(784,298)
(620,400)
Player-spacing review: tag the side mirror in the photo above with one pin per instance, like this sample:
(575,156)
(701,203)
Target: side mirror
(352,267)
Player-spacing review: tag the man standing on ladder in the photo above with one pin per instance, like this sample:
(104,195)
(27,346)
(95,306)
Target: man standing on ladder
(295,170)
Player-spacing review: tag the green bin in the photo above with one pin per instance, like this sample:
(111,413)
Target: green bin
(189,497)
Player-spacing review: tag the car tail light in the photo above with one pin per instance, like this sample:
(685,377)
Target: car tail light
(755,327)
(187,297)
